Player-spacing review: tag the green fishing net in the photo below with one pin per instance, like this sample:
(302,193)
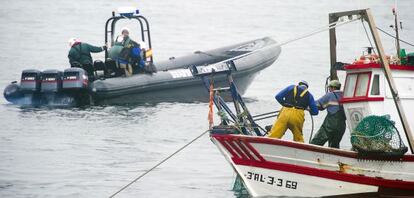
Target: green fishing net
(377,135)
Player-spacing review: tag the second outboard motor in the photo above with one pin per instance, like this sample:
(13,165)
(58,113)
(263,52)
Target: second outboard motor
(30,81)
(51,81)
(51,86)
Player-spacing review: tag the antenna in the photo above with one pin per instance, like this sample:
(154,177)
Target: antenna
(397,37)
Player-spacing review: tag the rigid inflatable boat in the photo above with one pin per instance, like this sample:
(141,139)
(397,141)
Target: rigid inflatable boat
(173,81)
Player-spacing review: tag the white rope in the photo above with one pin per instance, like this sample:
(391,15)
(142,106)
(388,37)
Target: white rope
(319,30)
(164,160)
(322,29)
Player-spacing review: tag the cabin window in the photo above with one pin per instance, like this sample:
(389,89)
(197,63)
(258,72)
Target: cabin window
(375,91)
(350,85)
(357,85)
(362,85)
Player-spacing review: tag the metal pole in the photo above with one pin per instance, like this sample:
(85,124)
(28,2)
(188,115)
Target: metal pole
(397,39)
(332,44)
(334,17)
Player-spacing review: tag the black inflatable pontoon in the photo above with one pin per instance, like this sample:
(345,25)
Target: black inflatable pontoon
(174,80)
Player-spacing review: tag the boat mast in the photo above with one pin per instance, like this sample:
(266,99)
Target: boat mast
(397,37)
(367,16)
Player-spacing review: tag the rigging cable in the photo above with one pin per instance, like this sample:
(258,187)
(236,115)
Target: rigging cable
(330,26)
(366,33)
(319,30)
(164,160)
(394,37)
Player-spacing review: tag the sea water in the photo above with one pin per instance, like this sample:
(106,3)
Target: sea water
(94,151)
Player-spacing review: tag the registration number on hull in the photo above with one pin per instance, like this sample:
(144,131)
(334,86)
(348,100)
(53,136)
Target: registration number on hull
(271,180)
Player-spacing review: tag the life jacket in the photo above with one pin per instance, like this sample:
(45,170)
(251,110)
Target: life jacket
(297,97)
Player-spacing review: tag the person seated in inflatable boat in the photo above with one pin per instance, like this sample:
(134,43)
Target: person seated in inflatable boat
(128,55)
(80,55)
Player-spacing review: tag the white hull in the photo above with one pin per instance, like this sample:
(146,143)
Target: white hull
(266,182)
(273,167)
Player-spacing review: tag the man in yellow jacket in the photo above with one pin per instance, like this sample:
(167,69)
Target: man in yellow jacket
(294,99)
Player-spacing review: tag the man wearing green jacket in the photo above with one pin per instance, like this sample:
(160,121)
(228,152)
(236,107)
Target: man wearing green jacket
(80,53)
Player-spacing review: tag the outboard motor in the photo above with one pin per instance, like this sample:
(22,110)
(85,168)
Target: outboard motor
(75,79)
(51,85)
(76,84)
(30,81)
(30,84)
(51,81)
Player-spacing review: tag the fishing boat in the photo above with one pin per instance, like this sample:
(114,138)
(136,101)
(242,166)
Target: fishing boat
(269,167)
(173,80)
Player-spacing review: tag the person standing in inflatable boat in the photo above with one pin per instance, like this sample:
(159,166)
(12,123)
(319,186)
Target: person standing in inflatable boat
(80,54)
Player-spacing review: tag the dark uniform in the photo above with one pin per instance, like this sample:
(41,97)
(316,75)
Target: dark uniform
(80,56)
(333,127)
(80,53)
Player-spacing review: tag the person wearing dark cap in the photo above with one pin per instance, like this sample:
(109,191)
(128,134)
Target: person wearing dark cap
(333,127)
(294,99)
